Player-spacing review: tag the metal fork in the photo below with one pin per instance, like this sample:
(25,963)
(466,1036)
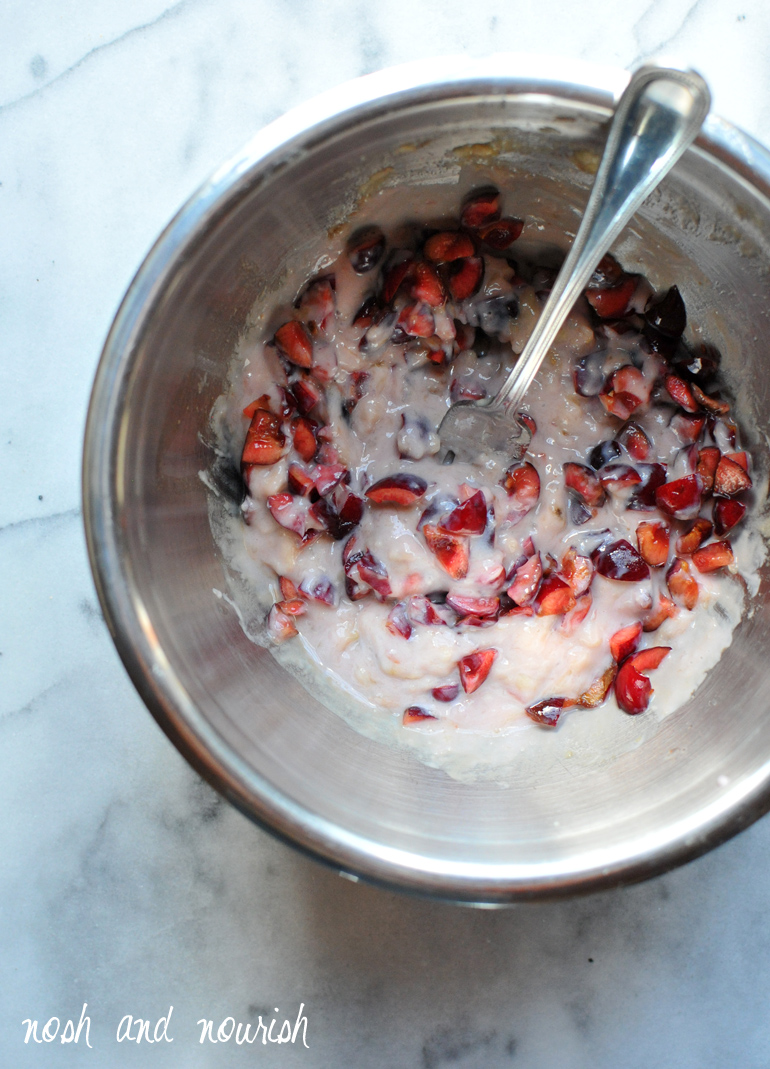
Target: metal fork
(657,118)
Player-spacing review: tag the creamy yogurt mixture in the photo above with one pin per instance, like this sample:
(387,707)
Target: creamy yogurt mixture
(607,566)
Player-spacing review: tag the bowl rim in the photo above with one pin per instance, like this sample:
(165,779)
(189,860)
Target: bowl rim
(355,856)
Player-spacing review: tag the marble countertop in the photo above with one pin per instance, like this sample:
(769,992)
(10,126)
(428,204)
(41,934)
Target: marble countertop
(125,882)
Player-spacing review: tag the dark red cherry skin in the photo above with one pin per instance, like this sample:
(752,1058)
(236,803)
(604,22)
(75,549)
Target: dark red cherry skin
(727,514)
(365,248)
(666,313)
(400,490)
(548,711)
(470,518)
(619,560)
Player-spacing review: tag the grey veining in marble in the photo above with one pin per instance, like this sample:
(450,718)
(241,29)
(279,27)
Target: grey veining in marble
(124,881)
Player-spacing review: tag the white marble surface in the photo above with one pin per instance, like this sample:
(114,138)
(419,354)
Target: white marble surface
(124,881)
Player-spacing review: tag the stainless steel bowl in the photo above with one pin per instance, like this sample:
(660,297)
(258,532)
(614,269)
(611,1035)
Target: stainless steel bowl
(238,717)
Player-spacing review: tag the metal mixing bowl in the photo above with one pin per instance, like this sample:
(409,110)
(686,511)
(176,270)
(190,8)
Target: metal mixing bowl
(238,717)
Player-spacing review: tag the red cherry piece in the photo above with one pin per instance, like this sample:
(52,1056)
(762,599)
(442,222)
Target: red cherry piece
(613,302)
(624,391)
(320,589)
(635,440)
(365,315)
(467,606)
(365,248)
(465,277)
(608,273)
(501,234)
(708,461)
(577,571)
(632,689)
(306,394)
(417,321)
(397,490)
(653,476)
(373,572)
(447,246)
(398,622)
(555,597)
(427,286)
(450,551)
(447,693)
(585,483)
(687,428)
(422,611)
(712,557)
(625,641)
(681,584)
(619,477)
(317,303)
(469,518)
(522,483)
(292,607)
(474,668)
(653,541)
(574,618)
(727,514)
(695,535)
(264,439)
(548,711)
(288,589)
(647,660)
(599,689)
(680,498)
(480,207)
(730,478)
(280,625)
(299,481)
(711,404)
(526,581)
(295,343)
(303,437)
(416,715)
(740,458)
(664,611)
(680,392)
(619,560)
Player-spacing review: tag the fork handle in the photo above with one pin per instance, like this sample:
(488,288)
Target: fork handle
(657,118)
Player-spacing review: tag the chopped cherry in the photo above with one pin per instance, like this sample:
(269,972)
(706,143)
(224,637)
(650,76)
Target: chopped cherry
(481,206)
(502,233)
(292,607)
(624,642)
(624,391)
(465,277)
(398,622)
(730,478)
(555,597)
(577,571)
(474,668)
(665,610)
(399,490)
(548,711)
(599,689)
(306,393)
(264,439)
(300,482)
(613,302)
(526,580)
(585,483)
(589,375)
(680,392)
(422,611)
(608,273)
(680,498)
(682,584)
(450,551)
(653,542)
(393,278)
(288,589)
(416,320)
(711,404)
(688,428)
(303,433)
(620,561)
(365,248)
(708,460)
(576,615)
(695,535)
(469,518)
(636,441)
(447,693)
(448,245)
(295,343)
(603,453)
(280,625)
(427,286)
(712,557)
(467,606)
(317,303)
(632,689)
(415,714)
(617,478)
(262,402)
(647,660)
(367,313)
(522,483)
(320,589)
(727,514)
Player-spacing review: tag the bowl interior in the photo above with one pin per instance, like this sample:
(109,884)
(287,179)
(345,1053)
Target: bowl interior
(252,728)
